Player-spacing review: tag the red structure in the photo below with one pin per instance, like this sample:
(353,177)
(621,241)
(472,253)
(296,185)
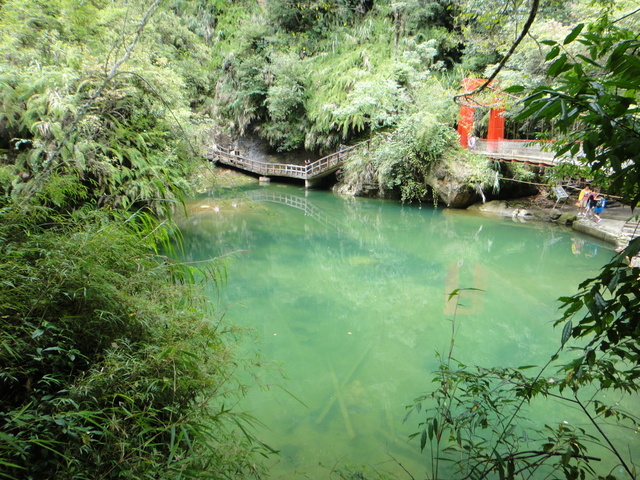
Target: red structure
(496,128)
(467,113)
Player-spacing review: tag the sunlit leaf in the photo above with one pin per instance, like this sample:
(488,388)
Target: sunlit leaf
(553,53)
(574,33)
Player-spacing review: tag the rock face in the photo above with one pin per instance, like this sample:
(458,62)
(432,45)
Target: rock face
(452,187)
(452,193)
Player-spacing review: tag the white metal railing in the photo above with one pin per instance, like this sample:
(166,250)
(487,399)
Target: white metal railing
(311,170)
(518,150)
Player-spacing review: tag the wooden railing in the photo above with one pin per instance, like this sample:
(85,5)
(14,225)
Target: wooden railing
(233,158)
(316,169)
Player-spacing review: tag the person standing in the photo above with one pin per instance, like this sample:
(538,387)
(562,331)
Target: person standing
(591,203)
(583,199)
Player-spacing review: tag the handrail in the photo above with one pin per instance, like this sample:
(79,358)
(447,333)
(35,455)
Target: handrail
(525,151)
(311,170)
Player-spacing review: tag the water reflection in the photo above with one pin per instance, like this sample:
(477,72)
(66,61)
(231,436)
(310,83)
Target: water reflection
(350,298)
(580,246)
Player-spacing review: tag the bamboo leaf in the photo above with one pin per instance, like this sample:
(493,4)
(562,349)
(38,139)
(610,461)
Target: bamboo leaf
(566,333)
(553,53)
(574,34)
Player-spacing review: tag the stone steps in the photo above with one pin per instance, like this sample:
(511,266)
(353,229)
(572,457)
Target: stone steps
(631,230)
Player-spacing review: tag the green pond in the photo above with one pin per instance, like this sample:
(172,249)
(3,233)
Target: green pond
(348,299)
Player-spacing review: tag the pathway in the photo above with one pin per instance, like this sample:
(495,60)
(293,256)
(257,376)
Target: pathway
(521,151)
(310,173)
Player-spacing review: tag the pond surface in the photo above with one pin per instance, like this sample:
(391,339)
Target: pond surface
(349,299)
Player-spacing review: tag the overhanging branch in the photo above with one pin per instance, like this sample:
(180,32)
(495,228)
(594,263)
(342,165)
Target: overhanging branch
(525,30)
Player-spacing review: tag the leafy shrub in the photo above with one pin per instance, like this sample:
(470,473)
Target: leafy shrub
(111,364)
(406,157)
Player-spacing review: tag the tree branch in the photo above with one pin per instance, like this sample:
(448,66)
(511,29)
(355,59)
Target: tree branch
(525,29)
(627,15)
(82,111)
(606,438)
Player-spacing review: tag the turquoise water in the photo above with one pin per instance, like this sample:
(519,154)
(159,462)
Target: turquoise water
(349,300)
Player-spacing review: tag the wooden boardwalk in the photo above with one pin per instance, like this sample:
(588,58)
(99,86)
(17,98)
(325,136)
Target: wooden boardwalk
(310,172)
(520,151)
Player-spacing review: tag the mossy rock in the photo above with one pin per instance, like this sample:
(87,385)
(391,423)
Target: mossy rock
(566,218)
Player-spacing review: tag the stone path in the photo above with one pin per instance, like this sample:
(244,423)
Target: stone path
(618,226)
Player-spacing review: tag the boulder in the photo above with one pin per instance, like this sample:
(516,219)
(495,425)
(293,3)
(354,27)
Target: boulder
(502,208)
(451,191)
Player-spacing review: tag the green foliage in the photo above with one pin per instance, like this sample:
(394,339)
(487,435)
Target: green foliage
(594,105)
(124,136)
(488,32)
(118,152)
(318,74)
(477,425)
(477,422)
(371,104)
(317,16)
(100,334)
(474,416)
(518,171)
(611,356)
(108,368)
(405,158)
(111,361)
(285,100)
(243,86)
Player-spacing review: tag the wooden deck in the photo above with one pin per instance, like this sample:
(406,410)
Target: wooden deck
(309,173)
(520,151)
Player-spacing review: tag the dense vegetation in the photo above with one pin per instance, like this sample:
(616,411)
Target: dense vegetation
(112,363)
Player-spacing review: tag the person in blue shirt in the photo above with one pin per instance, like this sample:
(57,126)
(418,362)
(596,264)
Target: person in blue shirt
(598,208)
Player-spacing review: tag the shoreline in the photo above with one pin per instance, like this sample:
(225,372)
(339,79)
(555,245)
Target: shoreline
(610,230)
